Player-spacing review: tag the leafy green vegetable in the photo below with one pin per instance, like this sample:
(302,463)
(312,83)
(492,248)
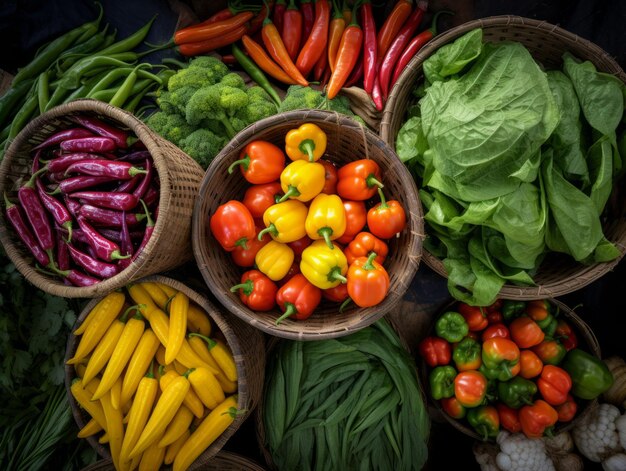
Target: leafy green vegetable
(452,58)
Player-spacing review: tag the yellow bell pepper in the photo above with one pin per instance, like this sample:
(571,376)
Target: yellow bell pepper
(326,218)
(274,260)
(302,180)
(285,221)
(324,267)
(308,142)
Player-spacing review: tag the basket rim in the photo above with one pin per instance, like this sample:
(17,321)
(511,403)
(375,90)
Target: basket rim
(414,223)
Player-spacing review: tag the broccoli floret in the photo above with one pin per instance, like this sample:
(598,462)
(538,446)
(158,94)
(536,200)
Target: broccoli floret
(157,121)
(164,100)
(172,127)
(234,80)
(179,98)
(202,145)
(218,102)
(216,127)
(258,108)
(299,97)
(218,68)
(195,77)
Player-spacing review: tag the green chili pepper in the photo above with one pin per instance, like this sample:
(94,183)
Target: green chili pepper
(129,42)
(441,381)
(23,116)
(255,73)
(451,326)
(467,354)
(485,420)
(109,78)
(517,392)
(43,91)
(590,376)
(12,98)
(548,325)
(137,97)
(125,89)
(512,309)
(72,77)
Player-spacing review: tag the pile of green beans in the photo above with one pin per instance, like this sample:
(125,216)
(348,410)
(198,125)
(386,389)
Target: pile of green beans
(347,403)
(85,62)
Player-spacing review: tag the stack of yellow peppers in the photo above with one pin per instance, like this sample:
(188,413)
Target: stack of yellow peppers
(148,373)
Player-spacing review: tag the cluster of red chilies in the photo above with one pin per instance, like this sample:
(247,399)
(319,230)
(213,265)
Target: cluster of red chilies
(90,204)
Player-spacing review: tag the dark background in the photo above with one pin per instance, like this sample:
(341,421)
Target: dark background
(27,24)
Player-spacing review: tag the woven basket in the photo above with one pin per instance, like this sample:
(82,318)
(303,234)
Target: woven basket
(347,141)
(179,177)
(245,343)
(559,274)
(587,341)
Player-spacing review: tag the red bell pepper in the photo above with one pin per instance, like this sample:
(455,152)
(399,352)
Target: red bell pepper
(244,256)
(356,217)
(232,225)
(494,317)
(554,384)
(567,410)
(435,351)
(537,418)
(475,316)
(525,332)
(453,407)
(387,218)
(298,247)
(363,245)
(551,351)
(530,364)
(470,388)
(359,180)
(258,198)
(260,162)
(330,178)
(566,335)
(338,294)
(509,418)
(256,291)
(298,298)
(368,281)
(496,330)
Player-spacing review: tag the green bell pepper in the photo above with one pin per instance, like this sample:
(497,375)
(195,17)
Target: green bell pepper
(467,354)
(485,420)
(452,327)
(512,309)
(441,381)
(500,357)
(548,325)
(517,392)
(590,376)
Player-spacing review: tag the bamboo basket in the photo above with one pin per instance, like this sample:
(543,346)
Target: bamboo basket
(245,343)
(347,141)
(179,178)
(586,340)
(558,274)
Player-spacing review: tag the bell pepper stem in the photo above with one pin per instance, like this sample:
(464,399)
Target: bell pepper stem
(289,311)
(292,191)
(369,265)
(243,242)
(247,287)
(383,200)
(271,229)
(344,305)
(371,181)
(326,232)
(307,147)
(335,274)
(245,163)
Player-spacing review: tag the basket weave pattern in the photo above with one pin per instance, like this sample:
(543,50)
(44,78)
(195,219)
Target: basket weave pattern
(558,275)
(347,141)
(245,343)
(179,177)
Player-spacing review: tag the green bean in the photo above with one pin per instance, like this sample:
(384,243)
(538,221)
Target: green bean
(255,73)
(392,438)
(129,42)
(71,56)
(51,52)
(13,96)
(43,91)
(292,380)
(23,116)
(85,66)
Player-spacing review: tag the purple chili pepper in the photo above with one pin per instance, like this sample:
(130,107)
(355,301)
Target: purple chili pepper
(141,190)
(73,206)
(152,196)
(16,217)
(138,156)
(107,199)
(61,163)
(126,244)
(63,253)
(35,166)
(104,248)
(59,211)
(89,144)
(105,168)
(78,278)
(148,231)
(36,214)
(101,128)
(128,185)
(72,184)
(116,236)
(92,265)
(109,217)
(72,133)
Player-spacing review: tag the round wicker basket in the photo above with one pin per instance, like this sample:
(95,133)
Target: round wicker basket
(558,275)
(587,341)
(245,343)
(179,177)
(347,141)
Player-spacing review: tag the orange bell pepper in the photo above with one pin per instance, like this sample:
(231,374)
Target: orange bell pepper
(537,418)
(470,388)
(365,244)
(525,332)
(531,365)
(554,384)
(368,281)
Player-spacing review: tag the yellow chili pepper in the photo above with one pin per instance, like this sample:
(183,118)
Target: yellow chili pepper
(103,439)
(174,448)
(199,343)
(91,428)
(178,425)
(138,365)
(80,368)
(108,309)
(274,260)
(160,355)
(156,293)
(197,320)
(322,266)
(206,386)
(308,142)
(179,306)
(139,413)
(224,358)
(114,428)
(104,304)
(116,392)
(167,289)
(191,400)
(164,411)
(285,221)
(326,218)
(207,432)
(152,458)
(103,351)
(133,330)
(302,180)
(143,299)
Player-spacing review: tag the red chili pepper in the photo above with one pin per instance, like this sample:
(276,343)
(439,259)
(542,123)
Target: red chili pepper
(208,45)
(108,199)
(496,330)
(358,180)
(338,294)
(356,74)
(260,162)
(244,256)
(387,218)
(89,144)
(61,163)
(256,291)
(204,32)
(291,31)
(92,265)
(109,217)
(356,217)
(414,46)
(278,15)
(474,316)
(63,253)
(147,234)
(80,182)
(435,351)
(308,17)
(218,16)
(347,56)
(232,225)
(298,298)
(257,22)
(336,28)
(392,25)
(258,198)
(509,418)
(368,281)
(36,215)
(365,244)
(57,209)
(316,42)
(321,66)
(121,138)
(104,249)
(16,218)
(377,95)
(276,49)
(105,168)
(57,138)
(370,49)
(141,190)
